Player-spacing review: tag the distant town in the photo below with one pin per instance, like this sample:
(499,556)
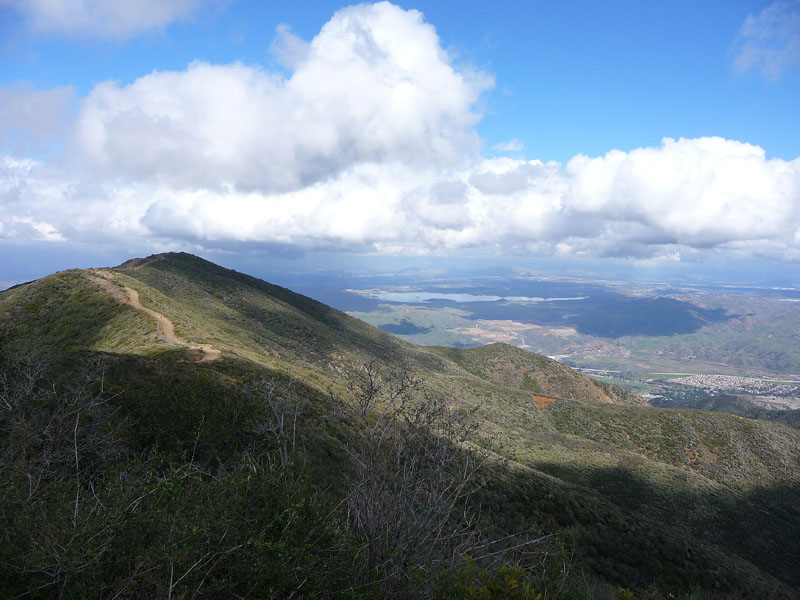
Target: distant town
(766,392)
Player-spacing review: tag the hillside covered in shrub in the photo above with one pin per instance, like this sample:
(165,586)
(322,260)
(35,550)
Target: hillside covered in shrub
(171,428)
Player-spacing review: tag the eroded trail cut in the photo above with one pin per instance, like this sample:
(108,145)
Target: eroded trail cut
(165,328)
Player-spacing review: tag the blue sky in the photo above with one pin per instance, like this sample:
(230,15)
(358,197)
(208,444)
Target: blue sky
(522,129)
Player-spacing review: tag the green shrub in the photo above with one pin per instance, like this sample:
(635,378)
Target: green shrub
(472,582)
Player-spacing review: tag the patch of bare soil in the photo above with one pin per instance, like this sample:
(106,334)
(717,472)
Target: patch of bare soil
(543,401)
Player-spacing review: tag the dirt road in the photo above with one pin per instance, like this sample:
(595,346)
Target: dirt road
(165,328)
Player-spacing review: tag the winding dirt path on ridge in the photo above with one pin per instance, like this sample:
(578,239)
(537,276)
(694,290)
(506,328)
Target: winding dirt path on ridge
(165,328)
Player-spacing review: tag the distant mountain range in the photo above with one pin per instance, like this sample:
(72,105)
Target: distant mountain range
(170,427)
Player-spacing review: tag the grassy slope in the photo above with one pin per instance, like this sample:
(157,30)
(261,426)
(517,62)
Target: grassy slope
(512,367)
(65,312)
(674,498)
(266,324)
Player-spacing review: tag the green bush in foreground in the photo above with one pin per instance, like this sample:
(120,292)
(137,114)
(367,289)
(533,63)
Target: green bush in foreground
(472,582)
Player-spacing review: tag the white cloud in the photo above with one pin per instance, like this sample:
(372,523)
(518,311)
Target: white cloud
(58,204)
(373,86)
(103,19)
(700,193)
(369,144)
(24,202)
(770,41)
(513,145)
(32,120)
(287,48)
(683,197)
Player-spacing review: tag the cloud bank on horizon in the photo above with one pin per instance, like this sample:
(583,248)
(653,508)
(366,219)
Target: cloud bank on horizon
(365,142)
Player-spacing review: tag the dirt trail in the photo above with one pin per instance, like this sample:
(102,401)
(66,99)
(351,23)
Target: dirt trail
(165,328)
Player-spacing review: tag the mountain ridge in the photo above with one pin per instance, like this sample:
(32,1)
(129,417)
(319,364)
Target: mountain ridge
(636,487)
(129,274)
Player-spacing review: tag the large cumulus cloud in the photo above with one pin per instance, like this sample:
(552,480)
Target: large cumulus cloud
(373,86)
(367,142)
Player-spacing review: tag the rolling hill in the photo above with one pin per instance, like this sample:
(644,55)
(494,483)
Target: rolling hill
(171,427)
